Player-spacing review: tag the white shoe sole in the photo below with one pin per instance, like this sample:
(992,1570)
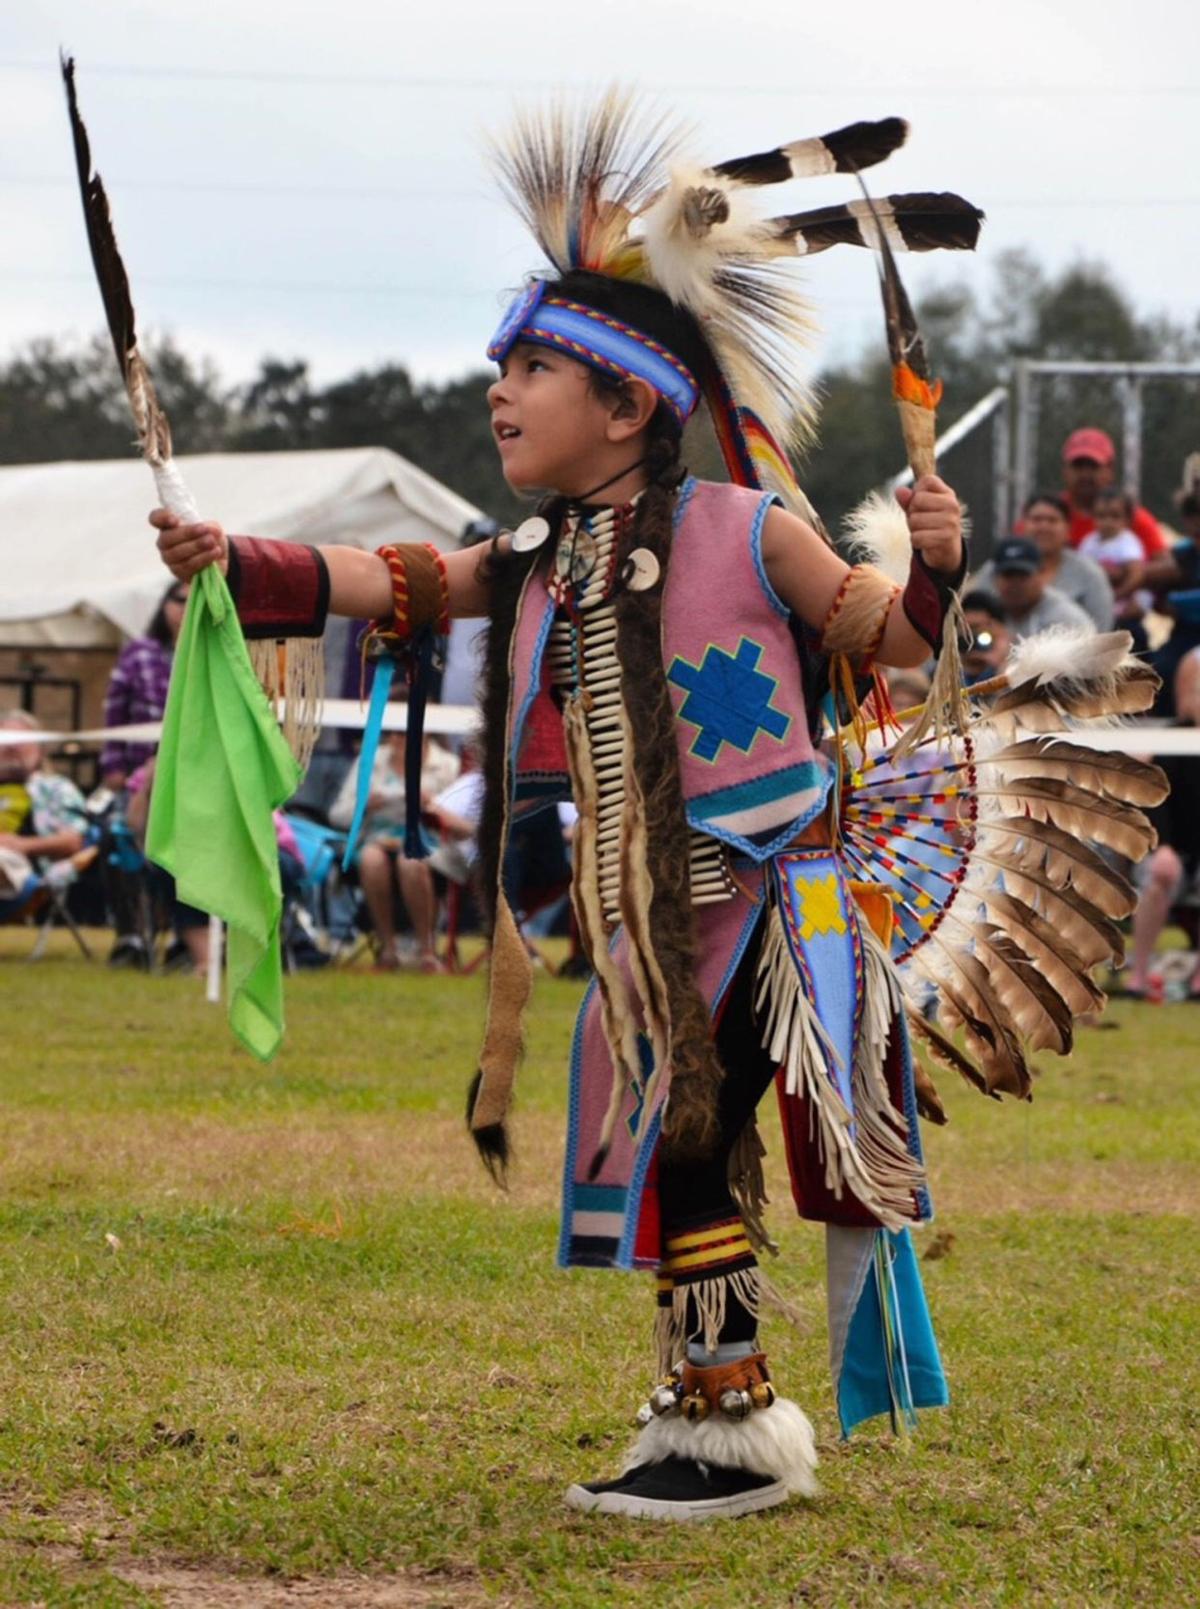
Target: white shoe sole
(657,1508)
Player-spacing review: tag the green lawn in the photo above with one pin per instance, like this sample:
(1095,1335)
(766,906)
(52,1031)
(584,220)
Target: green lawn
(271,1323)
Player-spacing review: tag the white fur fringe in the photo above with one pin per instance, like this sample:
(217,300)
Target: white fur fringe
(777,1441)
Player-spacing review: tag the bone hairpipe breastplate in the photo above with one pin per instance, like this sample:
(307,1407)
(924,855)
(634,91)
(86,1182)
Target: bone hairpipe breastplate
(581,658)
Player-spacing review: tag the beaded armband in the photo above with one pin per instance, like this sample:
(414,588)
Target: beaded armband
(858,615)
(420,592)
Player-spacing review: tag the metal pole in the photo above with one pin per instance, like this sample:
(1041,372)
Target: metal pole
(1023,403)
(1002,509)
(1131,413)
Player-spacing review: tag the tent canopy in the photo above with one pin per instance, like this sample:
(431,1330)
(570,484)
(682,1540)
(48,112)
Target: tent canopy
(80,567)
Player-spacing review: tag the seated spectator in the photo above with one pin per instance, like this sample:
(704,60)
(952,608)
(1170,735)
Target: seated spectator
(383,868)
(1174,866)
(189,924)
(1118,551)
(1047,523)
(42,816)
(1090,464)
(137,688)
(1030,604)
(454,814)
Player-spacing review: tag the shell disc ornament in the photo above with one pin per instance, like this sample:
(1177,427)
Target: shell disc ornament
(530,534)
(641,570)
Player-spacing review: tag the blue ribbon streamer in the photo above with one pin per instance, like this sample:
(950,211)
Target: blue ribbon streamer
(380,690)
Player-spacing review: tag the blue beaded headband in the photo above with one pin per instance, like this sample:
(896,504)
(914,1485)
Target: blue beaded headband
(596,339)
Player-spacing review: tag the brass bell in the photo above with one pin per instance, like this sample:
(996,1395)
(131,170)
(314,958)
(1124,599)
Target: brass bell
(762,1393)
(695,1406)
(736,1404)
(664,1399)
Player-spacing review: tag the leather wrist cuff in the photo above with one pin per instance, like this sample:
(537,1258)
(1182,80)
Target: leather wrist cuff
(927,597)
(280,589)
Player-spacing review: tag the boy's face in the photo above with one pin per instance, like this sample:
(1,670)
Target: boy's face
(547,422)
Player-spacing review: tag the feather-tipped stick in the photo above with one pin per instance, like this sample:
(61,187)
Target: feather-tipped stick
(845,150)
(917,398)
(154,434)
(916,221)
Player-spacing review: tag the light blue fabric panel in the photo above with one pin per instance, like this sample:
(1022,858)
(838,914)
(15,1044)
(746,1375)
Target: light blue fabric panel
(891,1368)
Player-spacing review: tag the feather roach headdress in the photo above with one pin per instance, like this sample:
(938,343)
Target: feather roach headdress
(610,190)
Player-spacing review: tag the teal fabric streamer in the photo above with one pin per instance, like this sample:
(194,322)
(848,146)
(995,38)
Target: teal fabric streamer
(891,1363)
(380,691)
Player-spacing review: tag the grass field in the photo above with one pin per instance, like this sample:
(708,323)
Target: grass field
(272,1339)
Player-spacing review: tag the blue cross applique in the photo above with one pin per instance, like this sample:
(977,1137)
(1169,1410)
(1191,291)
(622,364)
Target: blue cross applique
(728,698)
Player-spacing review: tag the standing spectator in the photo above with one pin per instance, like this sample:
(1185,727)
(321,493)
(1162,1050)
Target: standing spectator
(1089,463)
(1030,604)
(1047,523)
(137,688)
(990,637)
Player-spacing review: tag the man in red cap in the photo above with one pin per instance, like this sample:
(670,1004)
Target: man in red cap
(1089,464)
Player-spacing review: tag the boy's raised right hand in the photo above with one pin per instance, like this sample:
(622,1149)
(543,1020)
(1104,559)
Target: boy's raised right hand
(188,549)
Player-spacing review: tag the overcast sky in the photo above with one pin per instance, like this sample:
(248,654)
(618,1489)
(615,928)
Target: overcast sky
(306,179)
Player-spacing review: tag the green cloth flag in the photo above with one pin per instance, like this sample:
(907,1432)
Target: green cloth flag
(223,766)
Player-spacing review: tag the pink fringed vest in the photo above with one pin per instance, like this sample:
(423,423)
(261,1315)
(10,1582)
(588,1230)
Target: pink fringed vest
(749,772)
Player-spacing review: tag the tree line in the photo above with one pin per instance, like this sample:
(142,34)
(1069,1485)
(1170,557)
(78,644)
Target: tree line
(59,401)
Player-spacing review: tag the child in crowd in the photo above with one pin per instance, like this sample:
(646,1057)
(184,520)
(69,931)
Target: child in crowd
(1118,550)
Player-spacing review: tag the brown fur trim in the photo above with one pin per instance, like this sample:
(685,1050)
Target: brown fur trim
(690,1126)
(505,575)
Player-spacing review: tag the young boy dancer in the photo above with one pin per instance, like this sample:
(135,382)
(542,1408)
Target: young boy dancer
(661,649)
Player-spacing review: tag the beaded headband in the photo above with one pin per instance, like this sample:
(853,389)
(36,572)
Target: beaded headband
(597,339)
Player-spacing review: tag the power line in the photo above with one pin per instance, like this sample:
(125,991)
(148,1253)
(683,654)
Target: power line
(521,86)
(481,197)
(326,287)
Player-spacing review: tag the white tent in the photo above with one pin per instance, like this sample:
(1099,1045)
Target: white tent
(79,566)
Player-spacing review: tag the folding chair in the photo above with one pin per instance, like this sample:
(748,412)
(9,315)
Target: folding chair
(324,907)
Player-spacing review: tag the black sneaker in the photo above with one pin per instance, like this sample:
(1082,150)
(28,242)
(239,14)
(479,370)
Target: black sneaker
(680,1489)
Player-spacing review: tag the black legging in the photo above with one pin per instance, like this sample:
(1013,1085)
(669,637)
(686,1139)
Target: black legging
(697,1193)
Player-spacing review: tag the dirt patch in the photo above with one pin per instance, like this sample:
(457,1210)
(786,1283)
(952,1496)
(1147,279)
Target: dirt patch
(184,1587)
(86,1536)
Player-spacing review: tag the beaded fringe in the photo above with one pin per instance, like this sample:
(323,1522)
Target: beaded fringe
(293,671)
(864,1152)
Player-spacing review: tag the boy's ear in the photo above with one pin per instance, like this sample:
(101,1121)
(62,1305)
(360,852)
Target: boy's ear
(633,411)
